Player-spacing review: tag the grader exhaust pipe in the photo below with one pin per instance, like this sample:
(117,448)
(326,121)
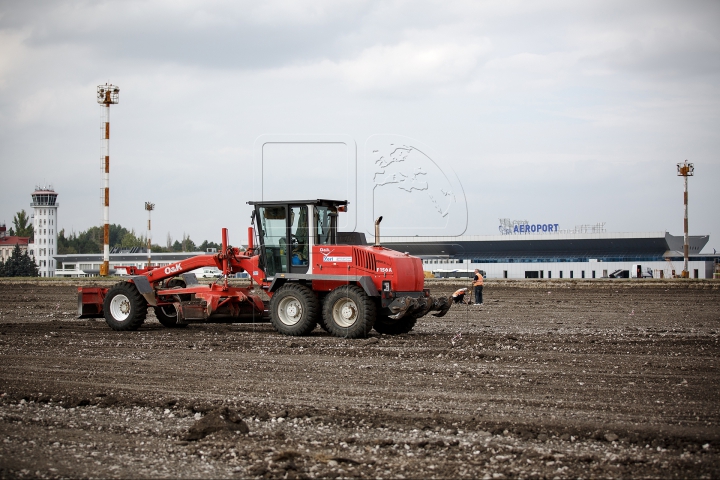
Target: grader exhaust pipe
(377,231)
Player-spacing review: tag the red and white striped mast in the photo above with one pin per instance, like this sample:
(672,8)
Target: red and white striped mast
(149,207)
(686,170)
(106,95)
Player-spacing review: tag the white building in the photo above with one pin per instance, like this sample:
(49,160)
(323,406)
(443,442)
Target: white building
(559,255)
(44,219)
(8,242)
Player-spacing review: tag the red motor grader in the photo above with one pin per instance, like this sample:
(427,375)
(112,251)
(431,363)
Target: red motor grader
(311,272)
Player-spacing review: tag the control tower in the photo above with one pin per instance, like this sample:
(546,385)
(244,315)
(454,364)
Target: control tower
(45,221)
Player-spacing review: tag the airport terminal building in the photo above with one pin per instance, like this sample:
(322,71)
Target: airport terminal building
(538,255)
(559,255)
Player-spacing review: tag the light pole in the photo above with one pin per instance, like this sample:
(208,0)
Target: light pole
(149,207)
(106,95)
(686,170)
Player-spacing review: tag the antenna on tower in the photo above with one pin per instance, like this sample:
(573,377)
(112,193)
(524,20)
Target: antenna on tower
(107,95)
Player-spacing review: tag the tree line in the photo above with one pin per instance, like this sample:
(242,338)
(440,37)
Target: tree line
(21,264)
(91,241)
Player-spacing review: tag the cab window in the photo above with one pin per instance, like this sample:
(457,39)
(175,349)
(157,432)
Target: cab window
(299,236)
(273,221)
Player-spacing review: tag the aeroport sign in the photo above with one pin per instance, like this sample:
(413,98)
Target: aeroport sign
(519,227)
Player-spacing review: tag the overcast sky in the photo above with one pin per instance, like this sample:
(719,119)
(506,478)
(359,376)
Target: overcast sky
(553,112)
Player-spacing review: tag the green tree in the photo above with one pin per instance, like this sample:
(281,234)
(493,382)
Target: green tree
(28,267)
(89,241)
(130,240)
(187,244)
(65,244)
(19,265)
(205,245)
(23,227)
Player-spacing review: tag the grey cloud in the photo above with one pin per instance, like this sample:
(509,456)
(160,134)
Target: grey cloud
(493,87)
(224,39)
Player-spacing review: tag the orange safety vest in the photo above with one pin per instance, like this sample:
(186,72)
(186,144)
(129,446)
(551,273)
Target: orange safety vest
(479,281)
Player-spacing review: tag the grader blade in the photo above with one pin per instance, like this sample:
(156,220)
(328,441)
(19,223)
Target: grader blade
(419,307)
(442,305)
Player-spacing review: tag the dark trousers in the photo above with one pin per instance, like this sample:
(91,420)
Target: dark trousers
(478,294)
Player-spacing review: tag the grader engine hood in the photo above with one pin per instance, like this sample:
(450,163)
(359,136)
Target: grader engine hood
(398,277)
(404,272)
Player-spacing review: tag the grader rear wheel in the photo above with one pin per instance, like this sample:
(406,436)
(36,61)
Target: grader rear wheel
(348,312)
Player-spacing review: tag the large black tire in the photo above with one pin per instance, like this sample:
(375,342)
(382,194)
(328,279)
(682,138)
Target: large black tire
(167,315)
(321,320)
(388,326)
(294,310)
(124,307)
(348,312)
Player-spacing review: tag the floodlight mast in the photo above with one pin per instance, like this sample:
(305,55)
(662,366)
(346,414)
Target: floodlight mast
(107,95)
(149,207)
(686,170)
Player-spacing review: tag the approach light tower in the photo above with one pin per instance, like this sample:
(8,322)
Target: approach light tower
(149,207)
(106,95)
(686,170)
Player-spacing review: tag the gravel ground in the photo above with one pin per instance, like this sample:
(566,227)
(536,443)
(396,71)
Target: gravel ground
(565,379)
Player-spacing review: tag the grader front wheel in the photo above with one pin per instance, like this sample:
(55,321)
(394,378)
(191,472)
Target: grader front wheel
(124,307)
(294,309)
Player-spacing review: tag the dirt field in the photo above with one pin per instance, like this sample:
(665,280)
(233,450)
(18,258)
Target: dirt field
(547,379)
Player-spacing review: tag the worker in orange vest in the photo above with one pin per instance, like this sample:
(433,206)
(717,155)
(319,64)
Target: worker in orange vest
(478,286)
(459,295)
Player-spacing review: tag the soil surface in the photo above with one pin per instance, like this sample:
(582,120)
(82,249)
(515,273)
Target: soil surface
(553,379)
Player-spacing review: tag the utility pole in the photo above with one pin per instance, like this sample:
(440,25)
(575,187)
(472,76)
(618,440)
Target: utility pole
(686,170)
(149,207)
